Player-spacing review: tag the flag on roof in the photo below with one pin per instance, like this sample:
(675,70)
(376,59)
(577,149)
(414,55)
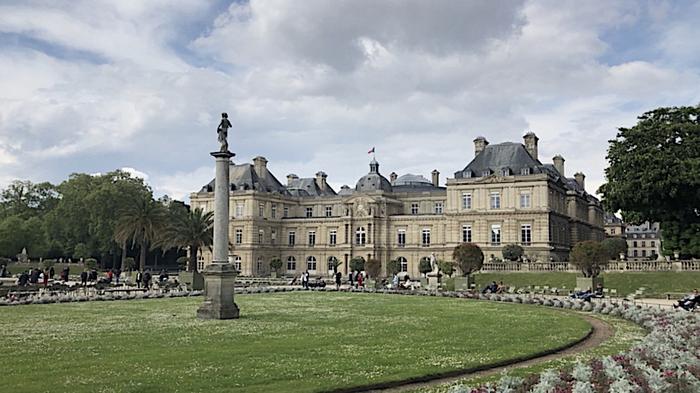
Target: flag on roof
(371,151)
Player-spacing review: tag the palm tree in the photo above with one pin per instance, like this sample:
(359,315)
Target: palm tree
(193,229)
(140,222)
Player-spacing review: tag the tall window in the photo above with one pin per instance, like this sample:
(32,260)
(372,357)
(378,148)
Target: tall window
(239,236)
(329,211)
(333,237)
(466,200)
(309,212)
(634,243)
(292,238)
(311,263)
(239,210)
(426,237)
(635,253)
(291,263)
(438,207)
(312,238)
(653,244)
(237,262)
(414,208)
(259,265)
(495,200)
(261,236)
(273,236)
(402,238)
(495,235)
(273,210)
(360,236)
(466,233)
(644,243)
(285,212)
(526,234)
(644,253)
(525,200)
(261,209)
(404,264)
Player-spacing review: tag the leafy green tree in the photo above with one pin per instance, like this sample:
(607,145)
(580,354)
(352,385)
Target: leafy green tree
(140,223)
(129,263)
(357,264)
(188,229)
(447,267)
(469,258)
(373,267)
(424,265)
(393,267)
(12,236)
(91,263)
(81,251)
(590,257)
(654,175)
(512,252)
(26,199)
(276,264)
(614,246)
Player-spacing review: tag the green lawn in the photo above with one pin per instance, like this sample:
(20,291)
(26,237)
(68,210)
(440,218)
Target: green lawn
(289,342)
(657,284)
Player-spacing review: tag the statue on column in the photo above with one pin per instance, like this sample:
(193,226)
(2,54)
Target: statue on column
(434,264)
(222,130)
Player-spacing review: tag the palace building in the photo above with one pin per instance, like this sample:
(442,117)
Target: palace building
(505,195)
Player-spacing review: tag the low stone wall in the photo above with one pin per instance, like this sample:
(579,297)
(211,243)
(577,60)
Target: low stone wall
(613,266)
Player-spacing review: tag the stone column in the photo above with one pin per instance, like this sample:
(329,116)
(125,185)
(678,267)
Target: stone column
(219,276)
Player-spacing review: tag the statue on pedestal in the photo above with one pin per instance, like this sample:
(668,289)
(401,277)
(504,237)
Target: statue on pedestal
(434,264)
(222,130)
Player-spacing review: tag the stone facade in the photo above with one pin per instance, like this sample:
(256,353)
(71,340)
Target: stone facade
(505,195)
(643,242)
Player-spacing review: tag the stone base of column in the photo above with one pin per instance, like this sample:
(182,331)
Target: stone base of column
(218,293)
(434,280)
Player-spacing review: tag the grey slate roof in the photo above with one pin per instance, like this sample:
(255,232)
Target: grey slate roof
(305,187)
(413,183)
(243,177)
(373,181)
(495,158)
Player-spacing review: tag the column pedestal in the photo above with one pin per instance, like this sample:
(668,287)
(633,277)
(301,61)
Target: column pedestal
(433,280)
(218,292)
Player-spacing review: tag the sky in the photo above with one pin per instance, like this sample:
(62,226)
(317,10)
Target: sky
(92,86)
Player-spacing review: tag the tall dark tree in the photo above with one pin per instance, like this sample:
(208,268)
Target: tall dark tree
(654,175)
(193,229)
(140,223)
(469,258)
(590,257)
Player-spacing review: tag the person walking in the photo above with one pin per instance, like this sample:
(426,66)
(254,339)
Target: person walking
(117,275)
(350,278)
(147,279)
(52,272)
(84,278)
(305,280)
(139,278)
(360,280)
(46,278)
(338,277)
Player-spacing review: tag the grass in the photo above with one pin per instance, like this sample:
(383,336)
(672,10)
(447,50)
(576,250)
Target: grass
(626,334)
(294,342)
(657,284)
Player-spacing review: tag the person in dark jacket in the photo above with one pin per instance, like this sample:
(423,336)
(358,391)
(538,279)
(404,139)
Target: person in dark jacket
(139,279)
(84,278)
(147,279)
(52,272)
(338,277)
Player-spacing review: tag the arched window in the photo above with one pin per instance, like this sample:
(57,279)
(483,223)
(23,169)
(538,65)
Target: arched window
(332,264)
(291,264)
(360,236)
(237,262)
(311,263)
(403,263)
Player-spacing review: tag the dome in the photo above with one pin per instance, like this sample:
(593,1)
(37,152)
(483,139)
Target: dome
(373,181)
(412,180)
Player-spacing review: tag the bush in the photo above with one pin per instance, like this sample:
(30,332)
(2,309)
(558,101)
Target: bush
(373,267)
(590,257)
(447,267)
(393,267)
(47,263)
(469,258)
(276,264)
(614,247)
(424,266)
(182,262)
(80,251)
(130,263)
(357,264)
(512,252)
(91,263)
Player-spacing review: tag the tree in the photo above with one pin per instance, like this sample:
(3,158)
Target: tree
(333,263)
(140,223)
(193,229)
(424,266)
(590,257)
(80,251)
(614,246)
(447,267)
(469,258)
(26,199)
(373,267)
(512,252)
(357,264)
(654,175)
(393,267)
(276,264)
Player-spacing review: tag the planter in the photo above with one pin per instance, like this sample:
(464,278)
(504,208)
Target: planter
(464,283)
(423,282)
(584,283)
(273,274)
(194,281)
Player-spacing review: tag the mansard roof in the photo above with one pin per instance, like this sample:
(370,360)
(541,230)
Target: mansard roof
(307,187)
(495,158)
(244,177)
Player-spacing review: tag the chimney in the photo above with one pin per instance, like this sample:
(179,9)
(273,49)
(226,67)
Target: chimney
(260,166)
(580,179)
(559,164)
(321,180)
(436,177)
(480,144)
(393,177)
(291,178)
(530,140)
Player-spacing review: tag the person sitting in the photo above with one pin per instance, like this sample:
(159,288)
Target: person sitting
(583,295)
(23,279)
(491,288)
(599,291)
(406,284)
(501,287)
(689,302)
